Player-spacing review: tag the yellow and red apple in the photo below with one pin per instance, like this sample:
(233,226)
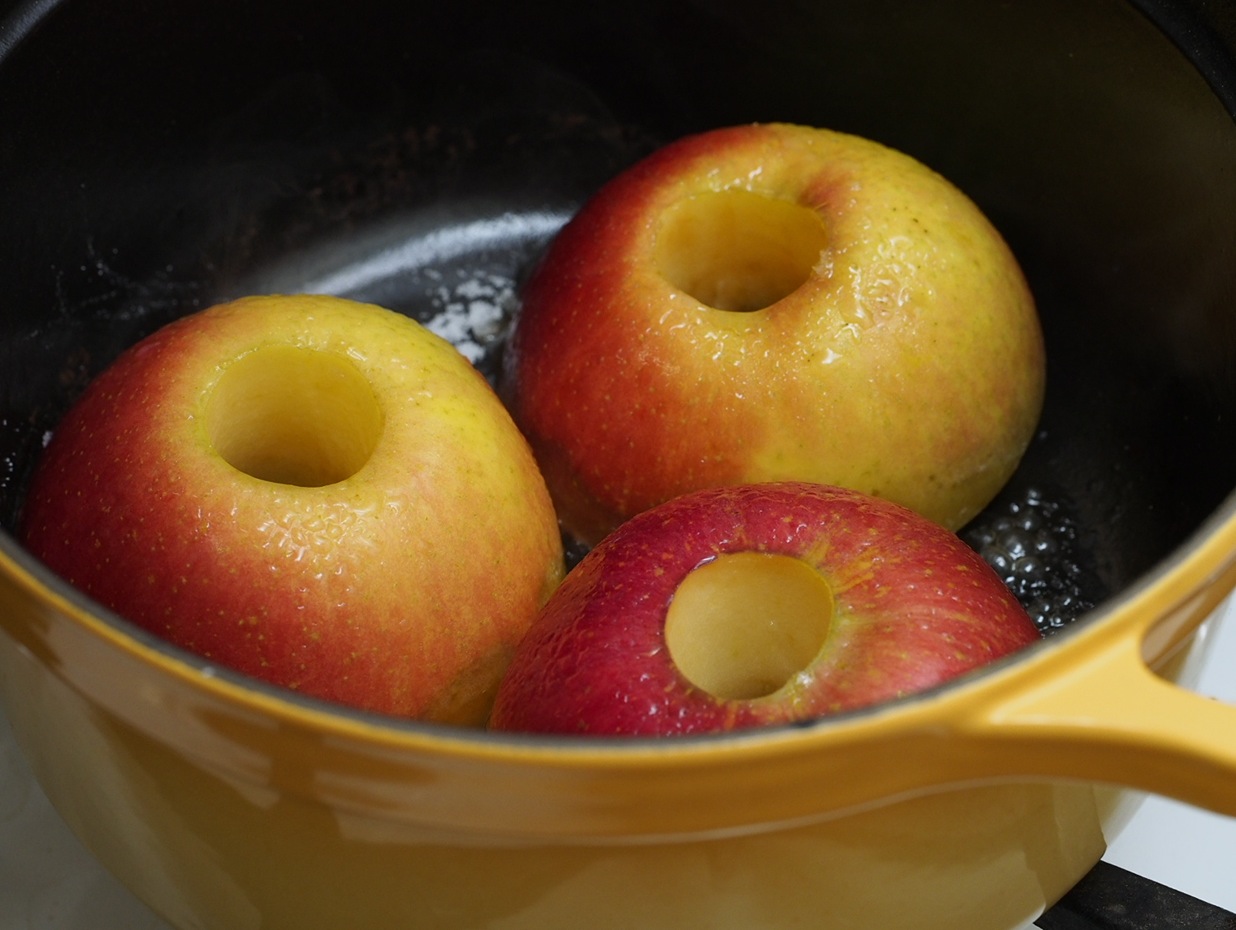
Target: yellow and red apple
(316,492)
(751,605)
(776,302)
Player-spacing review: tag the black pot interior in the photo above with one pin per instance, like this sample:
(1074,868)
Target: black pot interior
(157,157)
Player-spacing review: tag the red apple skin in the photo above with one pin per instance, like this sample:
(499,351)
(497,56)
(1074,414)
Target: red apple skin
(910,366)
(402,589)
(914,607)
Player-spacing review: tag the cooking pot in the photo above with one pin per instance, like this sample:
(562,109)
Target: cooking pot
(157,157)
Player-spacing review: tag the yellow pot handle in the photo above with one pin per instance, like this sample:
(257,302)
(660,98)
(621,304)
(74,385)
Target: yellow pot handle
(1105,716)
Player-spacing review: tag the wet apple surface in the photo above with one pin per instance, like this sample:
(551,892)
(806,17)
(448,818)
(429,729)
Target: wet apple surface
(313,491)
(752,605)
(774,302)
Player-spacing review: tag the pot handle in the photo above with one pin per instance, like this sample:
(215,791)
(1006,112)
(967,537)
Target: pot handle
(1107,717)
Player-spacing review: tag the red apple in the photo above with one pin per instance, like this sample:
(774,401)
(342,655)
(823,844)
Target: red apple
(774,302)
(316,492)
(756,604)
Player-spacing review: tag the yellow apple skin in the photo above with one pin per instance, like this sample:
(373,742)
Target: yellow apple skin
(907,364)
(400,588)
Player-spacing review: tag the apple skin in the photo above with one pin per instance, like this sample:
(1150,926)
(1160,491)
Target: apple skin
(402,588)
(908,365)
(913,607)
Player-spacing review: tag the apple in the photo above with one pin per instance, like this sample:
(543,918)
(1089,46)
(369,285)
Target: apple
(752,605)
(775,302)
(316,492)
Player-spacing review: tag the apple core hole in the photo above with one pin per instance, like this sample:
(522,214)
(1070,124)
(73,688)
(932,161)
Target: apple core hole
(737,250)
(294,415)
(743,625)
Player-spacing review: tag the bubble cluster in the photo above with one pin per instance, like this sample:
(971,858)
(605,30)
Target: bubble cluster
(1032,542)
(472,311)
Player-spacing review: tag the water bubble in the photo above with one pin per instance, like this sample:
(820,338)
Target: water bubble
(1031,541)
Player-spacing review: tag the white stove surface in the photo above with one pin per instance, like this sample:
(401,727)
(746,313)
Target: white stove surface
(49,881)
(1181,846)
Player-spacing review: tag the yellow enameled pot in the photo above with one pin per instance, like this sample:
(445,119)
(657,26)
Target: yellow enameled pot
(228,805)
(377,149)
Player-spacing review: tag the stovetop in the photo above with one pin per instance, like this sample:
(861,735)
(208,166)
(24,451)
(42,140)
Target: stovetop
(49,881)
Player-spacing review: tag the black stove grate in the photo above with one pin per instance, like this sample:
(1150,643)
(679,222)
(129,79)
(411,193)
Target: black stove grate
(1112,898)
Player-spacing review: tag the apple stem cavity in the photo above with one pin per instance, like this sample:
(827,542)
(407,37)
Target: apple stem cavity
(743,625)
(294,415)
(737,250)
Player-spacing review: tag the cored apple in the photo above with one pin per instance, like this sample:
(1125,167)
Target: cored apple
(751,605)
(315,492)
(776,302)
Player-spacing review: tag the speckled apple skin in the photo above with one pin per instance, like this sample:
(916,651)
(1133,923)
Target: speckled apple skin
(914,608)
(401,589)
(909,366)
